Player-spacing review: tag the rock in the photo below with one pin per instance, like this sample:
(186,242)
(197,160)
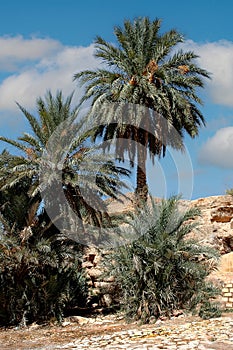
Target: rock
(108,279)
(106,300)
(226,262)
(102,285)
(94,305)
(177,313)
(215,222)
(224,242)
(222,214)
(79,319)
(94,273)
(92,255)
(87,265)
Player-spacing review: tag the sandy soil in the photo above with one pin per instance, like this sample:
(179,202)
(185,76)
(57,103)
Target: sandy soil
(36,337)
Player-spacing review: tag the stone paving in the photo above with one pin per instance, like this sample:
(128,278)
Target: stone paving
(205,334)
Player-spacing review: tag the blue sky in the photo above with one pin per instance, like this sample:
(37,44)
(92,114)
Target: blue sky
(43,43)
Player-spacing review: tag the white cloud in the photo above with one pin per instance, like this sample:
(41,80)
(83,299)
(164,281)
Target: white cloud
(16,50)
(217,58)
(32,66)
(53,70)
(217,150)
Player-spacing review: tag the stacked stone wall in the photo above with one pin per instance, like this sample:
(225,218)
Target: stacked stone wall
(227,295)
(102,290)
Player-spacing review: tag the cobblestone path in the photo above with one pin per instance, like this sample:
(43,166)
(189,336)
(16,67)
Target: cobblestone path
(205,334)
(174,335)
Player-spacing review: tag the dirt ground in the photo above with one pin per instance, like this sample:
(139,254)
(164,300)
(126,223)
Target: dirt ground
(36,336)
(49,336)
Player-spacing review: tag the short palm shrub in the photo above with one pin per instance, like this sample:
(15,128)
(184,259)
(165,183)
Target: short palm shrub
(161,270)
(209,310)
(229,191)
(39,279)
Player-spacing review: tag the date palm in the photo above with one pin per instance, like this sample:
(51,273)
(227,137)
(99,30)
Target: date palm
(146,68)
(27,164)
(162,270)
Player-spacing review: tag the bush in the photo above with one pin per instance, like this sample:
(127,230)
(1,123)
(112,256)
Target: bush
(229,191)
(39,280)
(161,270)
(209,310)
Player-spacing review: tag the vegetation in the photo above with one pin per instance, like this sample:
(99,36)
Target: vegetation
(40,279)
(56,121)
(162,271)
(40,274)
(145,68)
(229,191)
(15,203)
(210,310)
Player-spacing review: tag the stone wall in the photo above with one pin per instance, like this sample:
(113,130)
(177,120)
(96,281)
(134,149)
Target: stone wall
(227,295)
(102,290)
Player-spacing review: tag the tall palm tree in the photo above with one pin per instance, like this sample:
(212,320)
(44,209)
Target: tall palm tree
(145,69)
(27,165)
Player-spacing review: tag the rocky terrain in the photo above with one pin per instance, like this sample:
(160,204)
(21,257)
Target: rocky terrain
(111,332)
(215,222)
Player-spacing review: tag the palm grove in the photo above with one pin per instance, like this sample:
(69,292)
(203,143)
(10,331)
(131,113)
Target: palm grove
(41,273)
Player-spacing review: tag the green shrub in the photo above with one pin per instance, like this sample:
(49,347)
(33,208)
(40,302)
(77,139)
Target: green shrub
(161,270)
(40,280)
(209,310)
(229,191)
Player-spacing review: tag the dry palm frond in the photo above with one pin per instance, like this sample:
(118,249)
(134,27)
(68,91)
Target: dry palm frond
(150,70)
(30,153)
(184,69)
(133,81)
(151,67)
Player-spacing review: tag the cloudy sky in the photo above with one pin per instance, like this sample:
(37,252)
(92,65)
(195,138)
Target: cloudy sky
(44,43)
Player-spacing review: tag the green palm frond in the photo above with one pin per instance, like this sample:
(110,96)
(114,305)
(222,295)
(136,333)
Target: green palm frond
(34,124)
(161,270)
(31,141)
(14,143)
(57,132)
(144,68)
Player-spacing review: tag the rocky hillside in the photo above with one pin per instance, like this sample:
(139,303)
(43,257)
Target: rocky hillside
(216,229)
(215,222)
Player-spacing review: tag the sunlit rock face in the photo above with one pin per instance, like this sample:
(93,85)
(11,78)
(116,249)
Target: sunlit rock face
(215,222)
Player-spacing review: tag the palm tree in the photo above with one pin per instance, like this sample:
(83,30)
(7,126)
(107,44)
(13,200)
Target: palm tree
(40,277)
(55,121)
(161,270)
(144,69)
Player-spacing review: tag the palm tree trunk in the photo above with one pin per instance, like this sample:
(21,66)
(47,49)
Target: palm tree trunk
(141,180)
